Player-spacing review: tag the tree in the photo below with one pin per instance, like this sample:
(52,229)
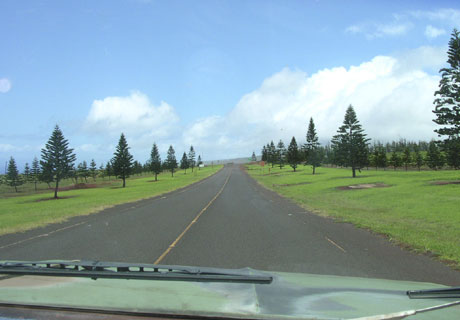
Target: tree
(380,157)
(406,158)
(82,171)
(12,175)
(272,153)
(253,157)
(395,160)
(122,161)
(27,174)
(191,158)
(447,103)
(184,163)
(418,159)
(350,143)
(102,171)
(93,169)
(35,172)
(57,159)
(199,162)
(155,161)
(434,159)
(109,169)
(280,154)
(171,162)
(293,155)
(312,154)
(264,154)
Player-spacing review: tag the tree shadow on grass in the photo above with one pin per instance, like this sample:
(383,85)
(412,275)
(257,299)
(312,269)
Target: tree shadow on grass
(50,198)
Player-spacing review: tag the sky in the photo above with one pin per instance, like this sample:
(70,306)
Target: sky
(224,76)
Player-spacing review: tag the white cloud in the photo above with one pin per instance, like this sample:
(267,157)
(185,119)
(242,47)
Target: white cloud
(5,85)
(446,15)
(375,30)
(432,32)
(392,99)
(133,115)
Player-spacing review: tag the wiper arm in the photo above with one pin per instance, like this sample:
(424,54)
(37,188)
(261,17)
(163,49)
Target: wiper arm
(115,270)
(452,292)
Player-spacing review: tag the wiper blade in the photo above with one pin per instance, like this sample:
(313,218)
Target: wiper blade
(452,292)
(116,270)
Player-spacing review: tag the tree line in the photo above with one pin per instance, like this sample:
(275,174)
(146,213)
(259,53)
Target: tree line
(58,162)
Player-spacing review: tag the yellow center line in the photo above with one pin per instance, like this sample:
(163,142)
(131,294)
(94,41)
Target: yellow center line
(172,245)
(335,244)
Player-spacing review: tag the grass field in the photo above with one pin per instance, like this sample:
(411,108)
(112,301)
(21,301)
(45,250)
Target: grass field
(411,210)
(20,213)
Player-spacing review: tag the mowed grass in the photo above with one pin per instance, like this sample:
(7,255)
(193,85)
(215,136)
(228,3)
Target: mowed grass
(411,211)
(26,212)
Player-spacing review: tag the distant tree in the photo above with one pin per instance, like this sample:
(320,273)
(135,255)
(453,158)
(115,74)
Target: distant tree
(109,169)
(406,158)
(184,163)
(171,162)
(12,175)
(395,160)
(102,171)
(264,154)
(122,161)
(350,143)
(434,159)
(253,157)
(82,171)
(447,103)
(280,154)
(73,174)
(27,175)
(418,159)
(199,162)
(137,167)
(46,174)
(155,161)
(57,159)
(93,169)
(35,172)
(312,154)
(272,155)
(191,158)
(293,154)
(380,157)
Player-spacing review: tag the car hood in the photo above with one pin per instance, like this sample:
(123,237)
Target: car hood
(290,295)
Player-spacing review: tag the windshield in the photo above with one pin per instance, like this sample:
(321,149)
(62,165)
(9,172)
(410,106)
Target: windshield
(311,137)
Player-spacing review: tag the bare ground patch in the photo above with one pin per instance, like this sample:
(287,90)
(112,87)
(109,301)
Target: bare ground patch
(82,186)
(363,186)
(52,198)
(445,182)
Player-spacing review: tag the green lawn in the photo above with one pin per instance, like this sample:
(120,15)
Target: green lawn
(411,211)
(20,213)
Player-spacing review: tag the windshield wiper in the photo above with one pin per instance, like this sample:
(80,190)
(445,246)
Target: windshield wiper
(115,270)
(452,292)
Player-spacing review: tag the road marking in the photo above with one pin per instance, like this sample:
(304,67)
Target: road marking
(41,235)
(172,245)
(335,244)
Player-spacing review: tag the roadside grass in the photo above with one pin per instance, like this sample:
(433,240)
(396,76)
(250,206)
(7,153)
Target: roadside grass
(21,213)
(411,211)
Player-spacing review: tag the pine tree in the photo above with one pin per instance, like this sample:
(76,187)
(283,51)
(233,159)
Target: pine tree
(102,171)
(191,158)
(434,159)
(406,158)
(253,157)
(380,157)
(93,169)
(184,163)
(82,171)
(264,154)
(293,154)
(418,159)
(12,175)
(280,154)
(199,162)
(27,175)
(350,143)
(447,103)
(155,161)
(57,159)
(395,160)
(312,154)
(122,161)
(171,162)
(272,153)
(109,169)
(35,172)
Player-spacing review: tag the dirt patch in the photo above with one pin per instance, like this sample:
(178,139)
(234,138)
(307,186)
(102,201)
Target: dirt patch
(152,180)
(290,184)
(82,186)
(363,186)
(52,198)
(442,183)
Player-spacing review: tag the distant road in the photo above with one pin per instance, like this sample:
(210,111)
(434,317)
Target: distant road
(227,221)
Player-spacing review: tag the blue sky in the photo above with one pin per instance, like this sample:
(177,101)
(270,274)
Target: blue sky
(225,76)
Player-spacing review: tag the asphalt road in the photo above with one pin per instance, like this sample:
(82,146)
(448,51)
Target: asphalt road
(227,221)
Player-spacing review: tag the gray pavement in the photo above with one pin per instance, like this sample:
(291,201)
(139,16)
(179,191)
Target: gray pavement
(227,221)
